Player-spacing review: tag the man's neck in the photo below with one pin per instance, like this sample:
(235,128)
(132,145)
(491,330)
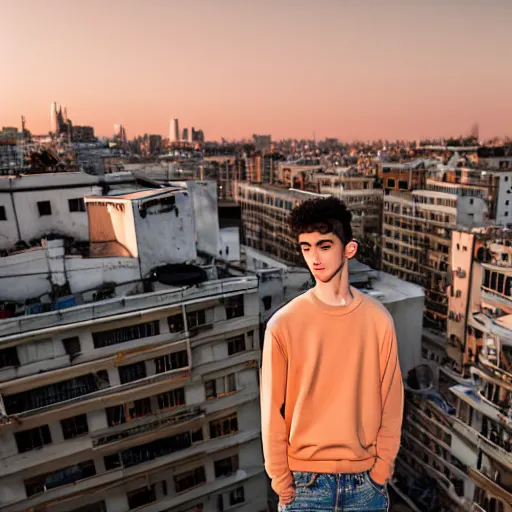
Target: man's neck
(336,292)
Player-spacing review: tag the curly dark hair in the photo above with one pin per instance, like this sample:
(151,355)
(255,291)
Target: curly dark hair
(322,214)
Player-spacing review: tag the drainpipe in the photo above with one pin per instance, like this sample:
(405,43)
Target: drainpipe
(14,209)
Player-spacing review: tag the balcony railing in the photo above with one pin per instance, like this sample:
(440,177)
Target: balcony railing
(142,428)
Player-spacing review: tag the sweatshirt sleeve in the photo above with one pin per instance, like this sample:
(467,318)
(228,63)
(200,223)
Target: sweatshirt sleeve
(273,427)
(392,392)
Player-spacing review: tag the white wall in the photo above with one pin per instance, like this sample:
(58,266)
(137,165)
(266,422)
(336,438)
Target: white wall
(504,210)
(206,215)
(165,235)
(471,211)
(29,274)
(230,244)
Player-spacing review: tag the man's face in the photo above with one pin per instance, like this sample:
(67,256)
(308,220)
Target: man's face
(324,254)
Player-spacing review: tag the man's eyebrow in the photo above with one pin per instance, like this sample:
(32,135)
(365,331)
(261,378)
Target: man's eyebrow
(320,242)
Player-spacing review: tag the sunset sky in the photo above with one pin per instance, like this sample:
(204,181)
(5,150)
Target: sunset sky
(348,69)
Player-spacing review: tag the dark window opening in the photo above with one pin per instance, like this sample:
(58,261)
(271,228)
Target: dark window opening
(171,399)
(33,438)
(99,506)
(224,426)
(226,467)
(141,497)
(61,477)
(159,448)
(234,306)
(267,302)
(172,361)
(44,207)
(112,461)
(391,183)
(236,344)
(236,496)
(55,393)
(76,205)
(190,479)
(9,357)
(72,345)
(216,388)
(403,185)
(176,323)
(3,216)
(125,334)
(196,318)
(75,426)
(132,372)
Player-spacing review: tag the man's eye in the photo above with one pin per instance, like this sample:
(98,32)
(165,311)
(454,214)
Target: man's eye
(325,247)
(305,249)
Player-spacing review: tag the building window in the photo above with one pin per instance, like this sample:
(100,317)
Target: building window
(176,323)
(72,345)
(55,393)
(141,497)
(99,506)
(75,426)
(234,306)
(171,399)
(267,302)
(122,413)
(190,479)
(131,372)
(226,467)
(391,183)
(112,461)
(159,448)
(403,185)
(33,438)
(44,207)
(222,386)
(9,357)
(236,496)
(172,361)
(236,344)
(125,334)
(3,216)
(196,318)
(224,426)
(76,205)
(60,477)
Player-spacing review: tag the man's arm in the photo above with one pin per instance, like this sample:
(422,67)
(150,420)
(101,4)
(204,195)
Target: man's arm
(273,427)
(392,393)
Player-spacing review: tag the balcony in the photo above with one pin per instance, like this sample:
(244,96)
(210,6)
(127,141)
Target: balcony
(492,487)
(110,437)
(42,325)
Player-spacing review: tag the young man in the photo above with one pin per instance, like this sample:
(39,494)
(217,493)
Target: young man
(331,385)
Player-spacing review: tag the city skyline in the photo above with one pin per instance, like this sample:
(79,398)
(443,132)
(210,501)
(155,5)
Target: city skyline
(337,69)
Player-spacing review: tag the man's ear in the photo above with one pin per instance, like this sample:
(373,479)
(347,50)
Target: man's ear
(351,248)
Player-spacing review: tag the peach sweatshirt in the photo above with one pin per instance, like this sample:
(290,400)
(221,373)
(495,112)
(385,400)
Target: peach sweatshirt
(331,390)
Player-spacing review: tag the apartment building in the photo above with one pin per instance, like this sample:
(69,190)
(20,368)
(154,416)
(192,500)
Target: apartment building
(265,209)
(417,226)
(151,397)
(456,448)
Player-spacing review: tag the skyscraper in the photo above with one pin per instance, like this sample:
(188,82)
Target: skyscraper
(174,135)
(184,134)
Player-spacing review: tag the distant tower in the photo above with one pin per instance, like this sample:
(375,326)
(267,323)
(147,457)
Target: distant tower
(192,135)
(475,131)
(184,135)
(54,124)
(174,135)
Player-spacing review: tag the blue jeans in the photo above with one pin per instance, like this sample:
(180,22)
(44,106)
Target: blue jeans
(337,492)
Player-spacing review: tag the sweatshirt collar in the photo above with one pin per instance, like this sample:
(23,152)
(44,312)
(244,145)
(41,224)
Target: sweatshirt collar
(336,310)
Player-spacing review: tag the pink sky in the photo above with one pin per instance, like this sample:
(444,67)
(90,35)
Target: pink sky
(349,69)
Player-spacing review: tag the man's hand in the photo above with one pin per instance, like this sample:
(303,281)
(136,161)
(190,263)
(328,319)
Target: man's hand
(286,499)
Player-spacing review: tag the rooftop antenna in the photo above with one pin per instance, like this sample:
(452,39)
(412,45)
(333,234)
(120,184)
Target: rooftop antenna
(21,144)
